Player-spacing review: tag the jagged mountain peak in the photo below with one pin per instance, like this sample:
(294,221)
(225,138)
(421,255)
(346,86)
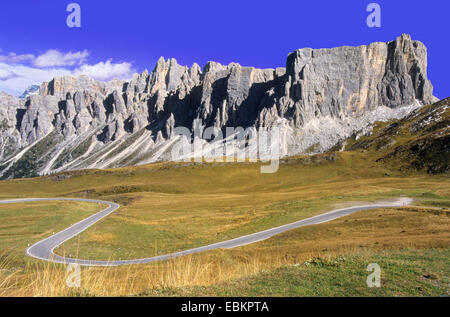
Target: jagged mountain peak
(31,90)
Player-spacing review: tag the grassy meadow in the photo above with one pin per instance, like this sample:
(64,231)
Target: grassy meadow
(169,207)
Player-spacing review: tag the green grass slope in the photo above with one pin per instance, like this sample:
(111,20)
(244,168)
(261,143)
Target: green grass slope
(421,141)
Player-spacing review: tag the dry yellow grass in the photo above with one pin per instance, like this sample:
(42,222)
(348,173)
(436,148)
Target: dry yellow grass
(50,279)
(369,231)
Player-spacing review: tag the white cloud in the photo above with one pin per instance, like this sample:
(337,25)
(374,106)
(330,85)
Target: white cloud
(13,58)
(106,70)
(18,72)
(26,76)
(53,58)
(6,74)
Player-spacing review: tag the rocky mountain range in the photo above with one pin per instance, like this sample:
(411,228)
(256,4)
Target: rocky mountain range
(321,97)
(31,90)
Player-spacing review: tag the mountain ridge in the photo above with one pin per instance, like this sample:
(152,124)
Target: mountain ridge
(31,90)
(77,123)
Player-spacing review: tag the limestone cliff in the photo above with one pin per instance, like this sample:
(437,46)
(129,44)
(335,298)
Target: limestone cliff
(320,98)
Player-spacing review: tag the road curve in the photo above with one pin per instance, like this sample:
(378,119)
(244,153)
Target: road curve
(43,249)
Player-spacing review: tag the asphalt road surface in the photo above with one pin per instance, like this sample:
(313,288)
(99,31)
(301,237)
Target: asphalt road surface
(43,249)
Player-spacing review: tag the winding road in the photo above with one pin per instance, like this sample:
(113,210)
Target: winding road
(43,249)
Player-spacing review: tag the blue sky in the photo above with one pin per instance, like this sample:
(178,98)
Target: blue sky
(117,38)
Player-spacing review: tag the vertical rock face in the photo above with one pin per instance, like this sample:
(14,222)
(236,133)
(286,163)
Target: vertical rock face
(406,73)
(349,81)
(322,96)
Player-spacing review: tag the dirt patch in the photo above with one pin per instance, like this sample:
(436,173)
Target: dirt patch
(124,200)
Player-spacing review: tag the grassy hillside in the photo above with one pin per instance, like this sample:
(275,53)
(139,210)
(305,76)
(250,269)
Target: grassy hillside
(421,141)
